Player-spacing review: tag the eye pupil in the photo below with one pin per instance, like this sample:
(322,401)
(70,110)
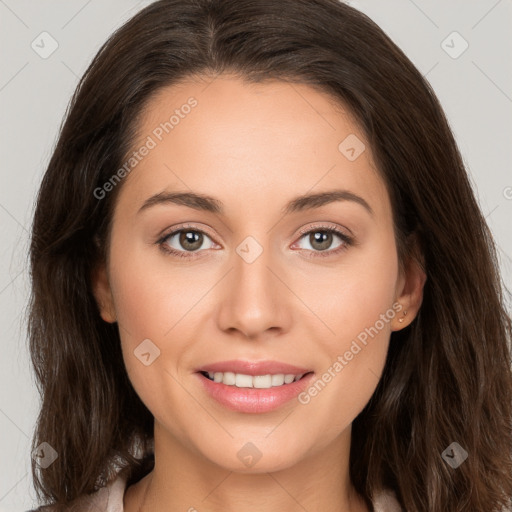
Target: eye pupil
(191,240)
(323,238)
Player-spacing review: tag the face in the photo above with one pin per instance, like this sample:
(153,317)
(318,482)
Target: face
(252,274)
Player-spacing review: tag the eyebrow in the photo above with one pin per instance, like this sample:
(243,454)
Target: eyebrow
(207,203)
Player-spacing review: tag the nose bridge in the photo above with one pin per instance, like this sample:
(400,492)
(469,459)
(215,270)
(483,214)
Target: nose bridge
(254,299)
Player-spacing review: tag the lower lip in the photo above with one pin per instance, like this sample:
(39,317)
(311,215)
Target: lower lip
(254,400)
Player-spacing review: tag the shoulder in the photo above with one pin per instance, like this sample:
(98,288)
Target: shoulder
(106,499)
(385,501)
(110,499)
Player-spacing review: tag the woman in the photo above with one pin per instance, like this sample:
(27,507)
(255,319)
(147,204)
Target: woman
(261,278)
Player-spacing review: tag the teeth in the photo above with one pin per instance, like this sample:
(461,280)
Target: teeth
(241,380)
(278,380)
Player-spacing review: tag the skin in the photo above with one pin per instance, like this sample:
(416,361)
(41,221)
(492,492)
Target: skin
(253,147)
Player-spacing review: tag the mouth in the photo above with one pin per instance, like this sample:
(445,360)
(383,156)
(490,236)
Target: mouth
(250,387)
(241,380)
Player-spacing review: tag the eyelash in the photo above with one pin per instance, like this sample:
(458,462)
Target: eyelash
(347,242)
(346,239)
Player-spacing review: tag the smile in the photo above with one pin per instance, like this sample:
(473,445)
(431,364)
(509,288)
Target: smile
(255,394)
(241,380)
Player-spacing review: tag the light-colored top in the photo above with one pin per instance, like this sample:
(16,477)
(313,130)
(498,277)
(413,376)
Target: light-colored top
(110,499)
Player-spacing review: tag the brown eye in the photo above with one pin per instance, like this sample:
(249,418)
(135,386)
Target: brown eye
(186,240)
(320,240)
(191,240)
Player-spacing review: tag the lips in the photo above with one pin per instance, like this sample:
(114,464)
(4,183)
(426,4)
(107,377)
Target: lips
(254,368)
(253,397)
(251,400)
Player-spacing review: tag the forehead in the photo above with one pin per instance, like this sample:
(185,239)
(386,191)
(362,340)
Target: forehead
(249,143)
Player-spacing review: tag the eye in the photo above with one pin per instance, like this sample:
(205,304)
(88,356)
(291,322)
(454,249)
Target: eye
(321,238)
(185,240)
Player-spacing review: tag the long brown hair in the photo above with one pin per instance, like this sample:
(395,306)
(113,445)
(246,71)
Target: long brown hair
(447,376)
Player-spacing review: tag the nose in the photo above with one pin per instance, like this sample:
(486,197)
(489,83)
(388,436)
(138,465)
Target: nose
(255,301)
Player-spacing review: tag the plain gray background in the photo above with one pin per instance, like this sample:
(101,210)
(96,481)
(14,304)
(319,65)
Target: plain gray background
(474,87)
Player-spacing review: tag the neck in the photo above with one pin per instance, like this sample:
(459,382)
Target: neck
(184,480)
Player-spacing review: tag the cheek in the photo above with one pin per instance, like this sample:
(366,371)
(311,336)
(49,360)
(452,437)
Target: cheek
(150,312)
(156,300)
(357,305)
(150,297)
(355,295)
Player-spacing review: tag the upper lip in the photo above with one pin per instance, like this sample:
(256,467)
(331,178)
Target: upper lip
(254,368)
